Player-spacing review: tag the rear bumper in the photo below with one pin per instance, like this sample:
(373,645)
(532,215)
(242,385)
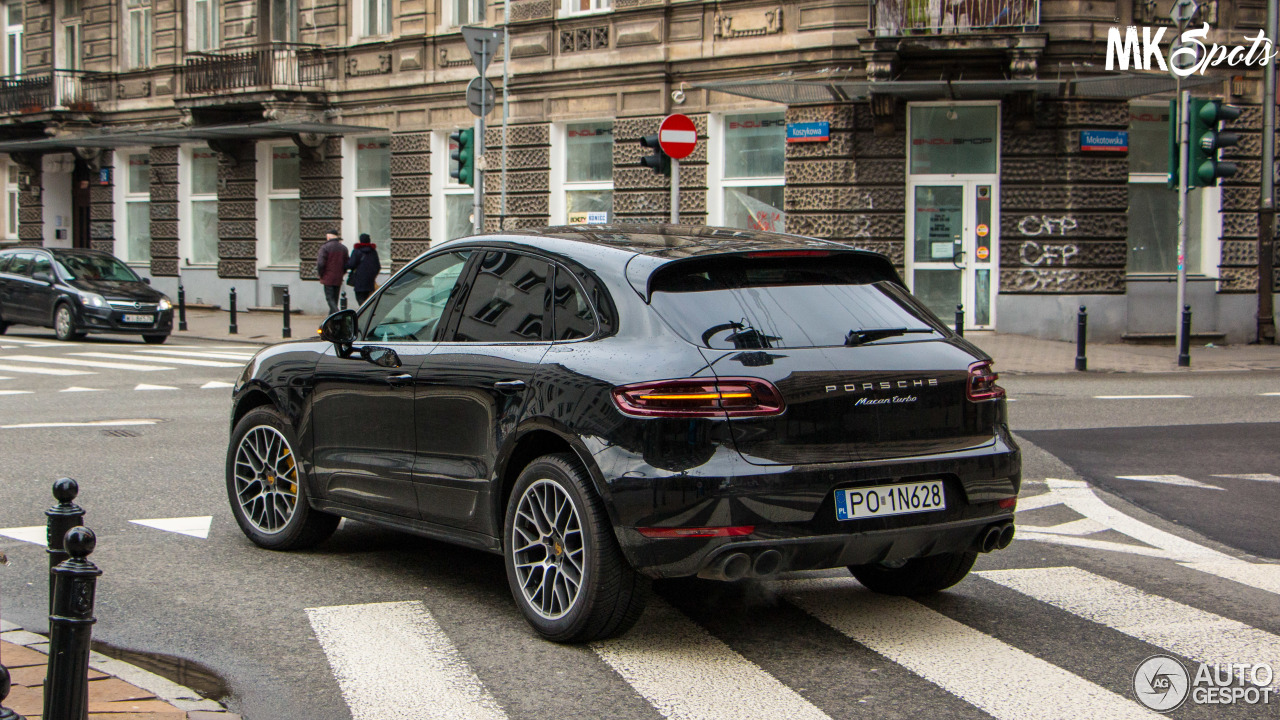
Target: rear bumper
(793,509)
(112,320)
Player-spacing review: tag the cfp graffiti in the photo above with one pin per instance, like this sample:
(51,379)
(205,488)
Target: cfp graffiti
(1036,225)
(1037,254)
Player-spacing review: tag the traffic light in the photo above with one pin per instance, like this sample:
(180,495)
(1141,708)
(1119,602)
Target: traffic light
(465,154)
(659,161)
(1206,141)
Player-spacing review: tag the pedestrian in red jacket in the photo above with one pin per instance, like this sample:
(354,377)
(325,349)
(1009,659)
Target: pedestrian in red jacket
(331,266)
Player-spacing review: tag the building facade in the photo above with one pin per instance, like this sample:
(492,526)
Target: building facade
(213,142)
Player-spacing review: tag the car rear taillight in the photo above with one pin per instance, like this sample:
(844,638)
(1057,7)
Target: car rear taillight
(697,397)
(982,383)
(697,532)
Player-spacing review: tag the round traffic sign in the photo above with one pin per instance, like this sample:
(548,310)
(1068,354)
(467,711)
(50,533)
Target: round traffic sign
(677,136)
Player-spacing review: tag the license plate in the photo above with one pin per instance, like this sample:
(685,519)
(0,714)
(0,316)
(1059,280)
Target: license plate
(139,318)
(885,500)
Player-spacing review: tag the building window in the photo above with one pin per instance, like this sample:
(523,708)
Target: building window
(465,12)
(284,21)
(11,202)
(137,201)
(374,17)
(13,37)
(72,49)
(1153,207)
(373,193)
(585,192)
(202,181)
(752,149)
(283,211)
(138,40)
(204,25)
(579,7)
(944,140)
(454,202)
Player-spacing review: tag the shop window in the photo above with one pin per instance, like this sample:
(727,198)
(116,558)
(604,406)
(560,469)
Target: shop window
(585,192)
(1153,207)
(749,171)
(203,179)
(283,209)
(373,193)
(138,34)
(953,139)
(137,201)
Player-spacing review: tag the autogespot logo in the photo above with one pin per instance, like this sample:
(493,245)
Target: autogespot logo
(1161,683)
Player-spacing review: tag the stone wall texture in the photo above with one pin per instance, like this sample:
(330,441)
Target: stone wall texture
(641,195)
(102,206)
(164,211)
(319,202)
(237,213)
(31,208)
(410,196)
(1239,266)
(528,176)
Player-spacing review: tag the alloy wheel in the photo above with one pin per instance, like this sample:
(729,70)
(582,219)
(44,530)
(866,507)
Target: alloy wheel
(547,548)
(62,323)
(266,477)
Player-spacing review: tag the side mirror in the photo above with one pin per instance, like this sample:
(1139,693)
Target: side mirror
(43,276)
(340,329)
(381,356)
(146,280)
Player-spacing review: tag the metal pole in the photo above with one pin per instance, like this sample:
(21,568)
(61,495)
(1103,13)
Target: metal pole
(506,80)
(675,191)
(1184,136)
(232,330)
(1266,203)
(182,308)
(61,518)
(1184,352)
(66,683)
(477,211)
(284,299)
(1082,329)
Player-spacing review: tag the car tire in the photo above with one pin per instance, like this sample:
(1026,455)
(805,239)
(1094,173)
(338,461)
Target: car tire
(155,339)
(4,327)
(610,594)
(64,323)
(266,488)
(917,576)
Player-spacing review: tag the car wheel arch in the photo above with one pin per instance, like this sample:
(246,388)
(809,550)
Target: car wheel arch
(246,403)
(531,444)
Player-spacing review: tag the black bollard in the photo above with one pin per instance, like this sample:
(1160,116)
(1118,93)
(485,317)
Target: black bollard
(960,320)
(1184,347)
(342,301)
(66,683)
(233,329)
(61,518)
(1082,325)
(287,331)
(5,684)
(182,309)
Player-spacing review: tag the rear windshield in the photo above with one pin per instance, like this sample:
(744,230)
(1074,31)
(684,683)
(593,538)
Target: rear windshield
(739,303)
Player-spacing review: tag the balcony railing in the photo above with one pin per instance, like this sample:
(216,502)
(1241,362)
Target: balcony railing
(938,17)
(68,90)
(273,66)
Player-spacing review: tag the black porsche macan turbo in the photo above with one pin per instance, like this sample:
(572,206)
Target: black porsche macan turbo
(608,404)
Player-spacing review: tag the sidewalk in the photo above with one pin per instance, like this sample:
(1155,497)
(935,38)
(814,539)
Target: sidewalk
(1015,354)
(117,690)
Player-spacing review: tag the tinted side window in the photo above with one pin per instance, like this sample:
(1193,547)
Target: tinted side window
(42,264)
(572,316)
(5,259)
(507,301)
(22,264)
(409,310)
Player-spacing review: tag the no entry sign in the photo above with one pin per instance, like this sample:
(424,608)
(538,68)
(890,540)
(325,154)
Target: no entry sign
(677,136)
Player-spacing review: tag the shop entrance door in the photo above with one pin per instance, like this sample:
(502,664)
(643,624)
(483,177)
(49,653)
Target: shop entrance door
(953,226)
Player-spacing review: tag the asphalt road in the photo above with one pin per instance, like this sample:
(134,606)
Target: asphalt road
(315,635)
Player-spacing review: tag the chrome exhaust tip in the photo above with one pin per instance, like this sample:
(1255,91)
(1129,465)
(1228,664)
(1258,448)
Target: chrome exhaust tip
(767,563)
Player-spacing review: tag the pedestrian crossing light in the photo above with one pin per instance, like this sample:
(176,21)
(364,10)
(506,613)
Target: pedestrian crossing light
(464,155)
(1207,141)
(659,161)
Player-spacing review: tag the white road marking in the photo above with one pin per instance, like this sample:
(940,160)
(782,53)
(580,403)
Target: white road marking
(1140,397)
(1077,495)
(1083,526)
(1182,629)
(193,526)
(171,361)
(6,378)
(36,534)
(144,386)
(1002,680)
(75,388)
(90,423)
(1275,394)
(212,384)
(1259,477)
(1170,480)
(199,354)
(141,367)
(688,674)
(392,660)
(1035,502)
(43,370)
(16,392)
(38,343)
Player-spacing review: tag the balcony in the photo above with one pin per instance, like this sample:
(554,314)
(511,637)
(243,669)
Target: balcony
(896,18)
(57,90)
(272,67)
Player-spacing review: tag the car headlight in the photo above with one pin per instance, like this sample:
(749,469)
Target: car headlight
(93,300)
(165,304)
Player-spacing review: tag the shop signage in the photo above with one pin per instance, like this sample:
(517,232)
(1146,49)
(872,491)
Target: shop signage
(1104,141)
(809,132)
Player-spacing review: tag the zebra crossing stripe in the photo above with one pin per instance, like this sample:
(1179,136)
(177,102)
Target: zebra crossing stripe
(43,370)
(392,660)
(688,674)
(16,392)
(1002,680)
(170,360)
(200,354)
(1182,629)
(37,343)
(140,367)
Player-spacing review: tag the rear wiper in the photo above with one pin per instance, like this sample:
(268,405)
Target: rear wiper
(858,337)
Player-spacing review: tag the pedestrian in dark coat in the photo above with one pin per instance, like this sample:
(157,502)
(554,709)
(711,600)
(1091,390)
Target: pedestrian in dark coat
(331,265)
(364,266)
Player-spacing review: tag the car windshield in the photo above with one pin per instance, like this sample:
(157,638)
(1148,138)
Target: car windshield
(747,303)
(95,267)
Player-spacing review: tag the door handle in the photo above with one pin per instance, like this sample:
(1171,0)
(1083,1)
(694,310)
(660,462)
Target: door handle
(509,386)
(400,380)
(955,260)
